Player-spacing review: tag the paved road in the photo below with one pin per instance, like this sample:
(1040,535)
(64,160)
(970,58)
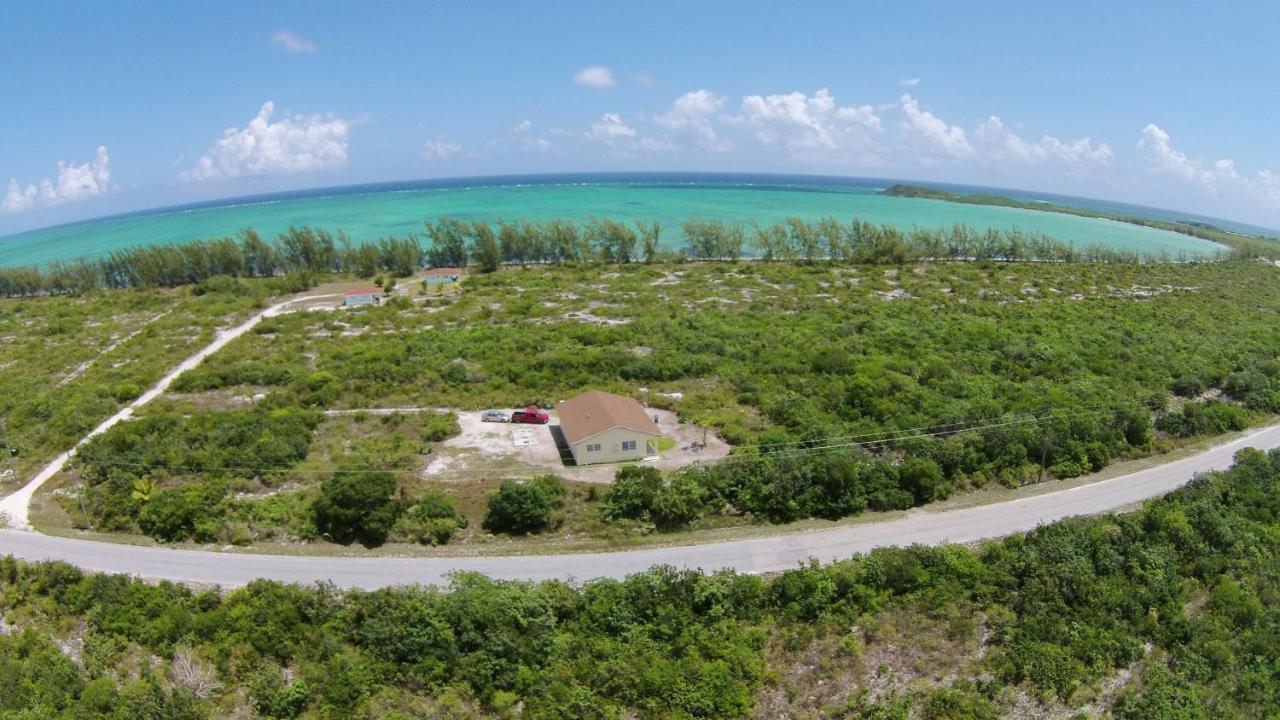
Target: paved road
(751,555)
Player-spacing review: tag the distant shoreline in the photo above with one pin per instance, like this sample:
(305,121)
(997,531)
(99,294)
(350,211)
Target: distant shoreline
(1193,228)
(374,211)
(728,179)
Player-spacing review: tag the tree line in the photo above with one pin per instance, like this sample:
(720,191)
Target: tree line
(485,246)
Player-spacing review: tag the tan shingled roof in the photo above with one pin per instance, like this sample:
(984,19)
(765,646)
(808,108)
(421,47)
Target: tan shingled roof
(593,412)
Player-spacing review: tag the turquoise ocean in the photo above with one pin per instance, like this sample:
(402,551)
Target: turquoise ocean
(368,212)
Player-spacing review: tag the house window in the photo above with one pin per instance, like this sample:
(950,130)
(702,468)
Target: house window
(593,447)
(628,445)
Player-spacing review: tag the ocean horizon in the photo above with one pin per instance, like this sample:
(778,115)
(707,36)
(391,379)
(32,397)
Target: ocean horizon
(375,210)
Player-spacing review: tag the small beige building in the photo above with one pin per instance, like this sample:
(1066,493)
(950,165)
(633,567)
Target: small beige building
(601,427)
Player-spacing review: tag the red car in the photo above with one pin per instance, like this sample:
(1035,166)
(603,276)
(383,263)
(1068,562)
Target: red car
(531,415)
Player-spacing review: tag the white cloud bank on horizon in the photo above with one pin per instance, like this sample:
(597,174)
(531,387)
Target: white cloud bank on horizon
(73,183)
(1220,178)
(291,42)
(1164,159)
(610,130)
(690,122)
(293,145)
(441,149)
(522,133)
(930,136)
(595,76)
(997,142)
(817,128)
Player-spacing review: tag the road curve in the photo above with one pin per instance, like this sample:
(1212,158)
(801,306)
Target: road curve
(753,555)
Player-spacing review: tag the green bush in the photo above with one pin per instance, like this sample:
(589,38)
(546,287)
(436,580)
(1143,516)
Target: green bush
(190,512)
(439,426)
(1208,418)
(431,520)
(632,492)
(678,502)
(521,508)
(357,505)
(1187,386)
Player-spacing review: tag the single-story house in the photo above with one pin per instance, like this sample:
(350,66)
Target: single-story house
(371,295)
(601,427)
(442,276)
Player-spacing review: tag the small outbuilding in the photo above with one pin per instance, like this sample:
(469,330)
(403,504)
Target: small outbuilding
(442,276)
(354,297)
(601,427)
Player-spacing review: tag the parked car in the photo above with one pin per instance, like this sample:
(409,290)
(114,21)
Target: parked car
(494,416)
(532,415)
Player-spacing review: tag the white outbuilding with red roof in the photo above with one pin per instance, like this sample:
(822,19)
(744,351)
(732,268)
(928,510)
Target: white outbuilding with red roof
(371,295)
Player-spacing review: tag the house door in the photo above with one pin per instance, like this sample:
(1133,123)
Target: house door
(650,448)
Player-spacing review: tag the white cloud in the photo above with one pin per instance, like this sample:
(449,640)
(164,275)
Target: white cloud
(813,125)
(291,43)
(997,142)
(523,134)
(292,145)
(610,130)
(1163,158)
(441,149)
(73,183)
(1220,178)
(909,82)
(646,80)
(595,76)
(689,121)
(929,135)
(17,198)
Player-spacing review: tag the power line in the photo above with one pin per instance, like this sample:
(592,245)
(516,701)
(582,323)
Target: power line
(794,449)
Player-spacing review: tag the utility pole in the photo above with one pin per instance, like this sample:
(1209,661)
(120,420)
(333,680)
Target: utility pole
(1045,437)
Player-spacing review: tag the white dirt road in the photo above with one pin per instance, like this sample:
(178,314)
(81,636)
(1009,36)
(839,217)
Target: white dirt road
(15,507)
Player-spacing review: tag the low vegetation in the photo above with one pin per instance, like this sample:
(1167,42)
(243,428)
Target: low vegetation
(1165,612)
(520,508)
(842,389)
(241,475)
(68,363)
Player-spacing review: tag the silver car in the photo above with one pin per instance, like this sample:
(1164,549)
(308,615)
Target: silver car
(494,416)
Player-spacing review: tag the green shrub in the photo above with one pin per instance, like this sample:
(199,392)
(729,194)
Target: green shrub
(356,505)
(1187,386)
(432,520)
(1208,418)
(521,508)
(439,426)
(632,492)
(189,512)
(678,502)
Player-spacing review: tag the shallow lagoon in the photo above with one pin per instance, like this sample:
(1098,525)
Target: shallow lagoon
(371,212)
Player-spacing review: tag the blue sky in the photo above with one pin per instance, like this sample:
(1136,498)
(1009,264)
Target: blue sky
(111,107)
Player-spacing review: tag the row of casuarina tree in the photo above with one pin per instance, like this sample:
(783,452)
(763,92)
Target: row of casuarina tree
(485,246)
